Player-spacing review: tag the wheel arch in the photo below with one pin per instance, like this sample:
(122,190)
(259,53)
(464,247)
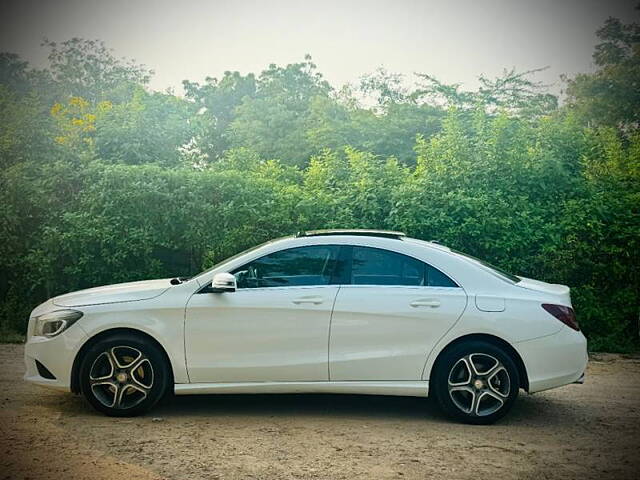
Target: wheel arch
(494,340)
(75,369)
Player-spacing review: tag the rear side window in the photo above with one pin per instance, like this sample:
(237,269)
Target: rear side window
(435,278)
(375,266)
(302,266)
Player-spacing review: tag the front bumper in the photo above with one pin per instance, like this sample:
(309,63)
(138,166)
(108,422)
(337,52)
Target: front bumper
(554,360)
(56,354)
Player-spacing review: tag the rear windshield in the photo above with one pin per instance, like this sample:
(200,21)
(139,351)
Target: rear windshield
(497,270)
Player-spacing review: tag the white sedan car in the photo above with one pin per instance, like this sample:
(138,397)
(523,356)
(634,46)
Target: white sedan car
(341,311)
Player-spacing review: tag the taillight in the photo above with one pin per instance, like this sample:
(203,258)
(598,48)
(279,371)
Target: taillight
(565,314)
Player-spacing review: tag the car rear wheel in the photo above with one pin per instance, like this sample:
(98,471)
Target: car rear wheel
(124,375)
(476,382)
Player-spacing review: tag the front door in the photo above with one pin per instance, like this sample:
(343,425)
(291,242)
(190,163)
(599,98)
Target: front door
(274,327)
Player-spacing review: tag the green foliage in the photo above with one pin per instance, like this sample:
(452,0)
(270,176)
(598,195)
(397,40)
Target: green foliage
(103,181)
(514,92)
(25,127)
(611,95)
(130,222)
(88,69)
(216,103)
(554,202)
(273,122)
(148,129)
(390,132)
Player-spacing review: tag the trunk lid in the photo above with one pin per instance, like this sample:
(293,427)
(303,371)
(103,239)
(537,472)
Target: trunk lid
(560,292)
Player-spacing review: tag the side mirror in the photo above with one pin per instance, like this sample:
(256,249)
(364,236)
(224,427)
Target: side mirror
(223,282)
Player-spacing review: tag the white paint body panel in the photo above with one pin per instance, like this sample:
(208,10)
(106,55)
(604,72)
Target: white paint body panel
(259,334)
(408,389)
(553,360)
(385,333)
(123,292)
(373,341)
(486,303)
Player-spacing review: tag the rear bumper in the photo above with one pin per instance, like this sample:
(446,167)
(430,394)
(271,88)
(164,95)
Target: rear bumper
(554,360)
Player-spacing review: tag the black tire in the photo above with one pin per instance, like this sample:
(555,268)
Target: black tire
(493,388)
(136,383)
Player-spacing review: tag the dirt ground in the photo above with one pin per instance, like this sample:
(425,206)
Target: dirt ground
(575,432)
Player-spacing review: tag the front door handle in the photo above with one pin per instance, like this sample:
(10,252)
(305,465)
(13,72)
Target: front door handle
(425,303)
(314,299)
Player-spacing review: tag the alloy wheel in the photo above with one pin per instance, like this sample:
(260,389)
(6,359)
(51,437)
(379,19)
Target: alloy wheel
(479,384)
(121,377)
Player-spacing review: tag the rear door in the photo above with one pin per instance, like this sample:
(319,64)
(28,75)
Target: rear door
(388,315)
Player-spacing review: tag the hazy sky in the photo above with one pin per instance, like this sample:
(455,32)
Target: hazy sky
(454,40)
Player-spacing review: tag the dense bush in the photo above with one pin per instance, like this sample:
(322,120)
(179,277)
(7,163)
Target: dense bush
(121,184)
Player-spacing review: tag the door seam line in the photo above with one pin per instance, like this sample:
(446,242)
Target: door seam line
(329,336)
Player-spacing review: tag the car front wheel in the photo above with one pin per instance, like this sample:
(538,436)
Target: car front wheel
(476,382)
(124,375)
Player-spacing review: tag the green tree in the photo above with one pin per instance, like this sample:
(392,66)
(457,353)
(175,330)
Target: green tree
(88,69)
(611,95)
(514,92)
(151,128)
(215,103)
(274,122)
(390,130)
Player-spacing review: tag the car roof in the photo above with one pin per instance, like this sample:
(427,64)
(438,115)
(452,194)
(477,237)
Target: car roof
(392,234)
(355,232)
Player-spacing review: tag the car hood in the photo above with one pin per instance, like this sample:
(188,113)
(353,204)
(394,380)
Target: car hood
(122,292)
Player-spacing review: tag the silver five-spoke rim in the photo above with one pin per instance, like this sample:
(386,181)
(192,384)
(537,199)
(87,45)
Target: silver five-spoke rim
(479,384)
(121,377)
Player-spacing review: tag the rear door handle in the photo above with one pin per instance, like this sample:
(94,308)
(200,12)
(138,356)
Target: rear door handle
(314,299)
(425,303)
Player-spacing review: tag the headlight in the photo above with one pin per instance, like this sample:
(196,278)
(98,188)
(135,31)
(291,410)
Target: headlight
(54,323)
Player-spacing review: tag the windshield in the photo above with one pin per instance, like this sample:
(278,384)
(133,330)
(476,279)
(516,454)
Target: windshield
(497,270)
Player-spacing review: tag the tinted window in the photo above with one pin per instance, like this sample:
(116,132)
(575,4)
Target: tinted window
(374,266)
(290,268)
(435,278)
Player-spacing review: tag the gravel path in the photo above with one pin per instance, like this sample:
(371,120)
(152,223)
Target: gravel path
(579,431)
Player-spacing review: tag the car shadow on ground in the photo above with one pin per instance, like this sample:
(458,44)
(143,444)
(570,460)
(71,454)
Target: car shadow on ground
(536,410)
(312,405)
(531,410)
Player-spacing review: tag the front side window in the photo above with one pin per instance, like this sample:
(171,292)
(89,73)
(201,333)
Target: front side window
(301,266)
(375,266)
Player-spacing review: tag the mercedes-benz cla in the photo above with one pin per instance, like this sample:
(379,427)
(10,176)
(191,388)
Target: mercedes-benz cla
(365,312)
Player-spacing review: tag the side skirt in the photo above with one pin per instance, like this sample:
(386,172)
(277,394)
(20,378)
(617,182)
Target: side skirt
(400,388)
